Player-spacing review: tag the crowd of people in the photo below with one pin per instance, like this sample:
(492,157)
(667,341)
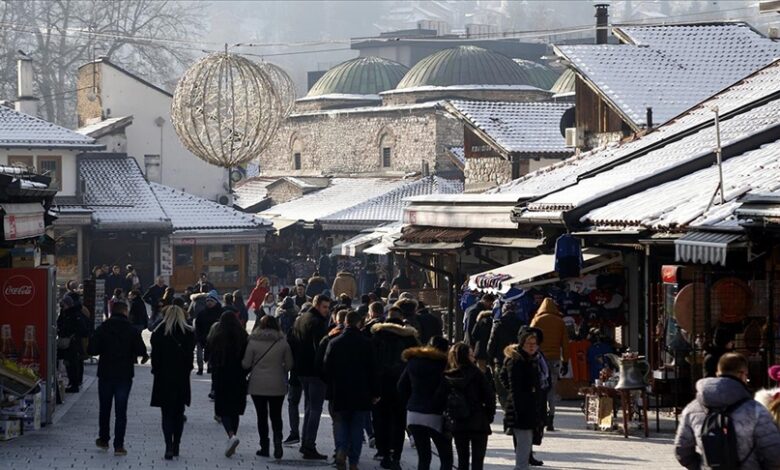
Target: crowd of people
(380,362)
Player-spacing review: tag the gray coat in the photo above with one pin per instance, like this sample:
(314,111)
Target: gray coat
(752,422)
(269,374)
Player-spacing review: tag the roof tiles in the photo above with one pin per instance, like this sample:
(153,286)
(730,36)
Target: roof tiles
(22,130)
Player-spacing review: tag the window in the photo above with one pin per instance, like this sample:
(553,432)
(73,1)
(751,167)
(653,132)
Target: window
(51,166)
(386,154)
(386,144)
(296,148)
(20,160)
(183,255)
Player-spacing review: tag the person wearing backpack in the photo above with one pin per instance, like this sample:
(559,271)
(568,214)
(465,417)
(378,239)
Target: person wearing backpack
(724,427)
(470,406)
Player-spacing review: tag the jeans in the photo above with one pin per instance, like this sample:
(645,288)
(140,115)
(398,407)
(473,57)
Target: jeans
(269,407)
(523,441)
(172,424)
(552,396)
(294,393)
(199,356)
(118,392)
(423,435)
(314,397)
(230,423)
(350,433)
(477,444)
(390,427)
(335,419)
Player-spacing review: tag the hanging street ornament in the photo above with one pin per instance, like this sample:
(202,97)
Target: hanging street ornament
(226,108)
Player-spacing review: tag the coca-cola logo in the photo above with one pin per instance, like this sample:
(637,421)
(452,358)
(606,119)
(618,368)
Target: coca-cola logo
(18,291)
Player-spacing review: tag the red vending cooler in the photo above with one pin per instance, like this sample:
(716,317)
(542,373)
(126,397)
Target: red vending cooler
(28,325)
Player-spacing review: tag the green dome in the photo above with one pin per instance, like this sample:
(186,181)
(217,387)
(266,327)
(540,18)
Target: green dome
(465,65)
(565,83)
(359,76)
(537,74)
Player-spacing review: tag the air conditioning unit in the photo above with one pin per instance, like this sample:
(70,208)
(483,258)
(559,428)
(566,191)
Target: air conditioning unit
(225,199)
(571,137)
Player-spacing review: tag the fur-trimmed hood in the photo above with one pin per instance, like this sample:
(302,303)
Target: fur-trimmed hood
(424,352)
(767,396)
(316,279)
(400,330)
(265,335)
(514,352)
(345,274)
(484,314)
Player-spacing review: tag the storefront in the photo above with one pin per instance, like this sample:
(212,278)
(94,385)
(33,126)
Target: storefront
(225,264)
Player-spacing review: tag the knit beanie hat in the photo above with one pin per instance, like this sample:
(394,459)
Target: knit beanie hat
(213,294)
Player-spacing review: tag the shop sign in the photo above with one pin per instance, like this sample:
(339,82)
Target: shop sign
(18,291)
(16,227)
(669,273)
(166,256)
(187,241)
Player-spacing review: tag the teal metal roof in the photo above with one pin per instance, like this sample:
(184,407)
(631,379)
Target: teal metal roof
(538,75)
(465,65)
(565,83)
(360,76)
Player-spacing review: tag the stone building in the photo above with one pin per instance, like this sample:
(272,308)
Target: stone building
(369,116)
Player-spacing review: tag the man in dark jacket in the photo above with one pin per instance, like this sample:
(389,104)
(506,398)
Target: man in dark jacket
(203,323)
(115,280)
(350,369)
(72,324)
(390,340)
(137,316)
(204,285)
(118,344)
(306,334)
(430,324)
(471,314)
(153,296)
(316,285)
(503,334)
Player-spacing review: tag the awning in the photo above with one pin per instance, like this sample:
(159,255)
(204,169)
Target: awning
(426,247)
(509,242)
(22,220)
(705,247)
(355,245)
(536,271)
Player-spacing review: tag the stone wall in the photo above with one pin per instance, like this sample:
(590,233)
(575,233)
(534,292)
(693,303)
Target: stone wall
(349,142)
(283,191)
(89,105)
(486,172)
(455,93)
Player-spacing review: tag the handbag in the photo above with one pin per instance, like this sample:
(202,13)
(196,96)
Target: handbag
(64,343)
(249,373)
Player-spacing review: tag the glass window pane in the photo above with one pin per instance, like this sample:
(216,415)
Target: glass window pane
(50,166)
(183,255)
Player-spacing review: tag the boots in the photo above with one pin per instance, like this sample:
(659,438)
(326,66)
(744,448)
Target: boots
(278,449)
(263,452)
(549,423)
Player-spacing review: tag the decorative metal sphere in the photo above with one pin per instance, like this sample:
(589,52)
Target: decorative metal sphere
(284,86)
(226,109)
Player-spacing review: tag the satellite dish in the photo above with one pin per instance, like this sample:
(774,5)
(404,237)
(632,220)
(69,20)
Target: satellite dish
(567,120)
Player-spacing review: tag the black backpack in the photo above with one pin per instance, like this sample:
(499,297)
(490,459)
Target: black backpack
(457,407)
(719,439)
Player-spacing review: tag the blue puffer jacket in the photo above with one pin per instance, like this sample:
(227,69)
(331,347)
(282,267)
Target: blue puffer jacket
(420,382)
(757,434)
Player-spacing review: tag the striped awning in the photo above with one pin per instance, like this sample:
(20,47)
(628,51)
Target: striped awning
(705,247)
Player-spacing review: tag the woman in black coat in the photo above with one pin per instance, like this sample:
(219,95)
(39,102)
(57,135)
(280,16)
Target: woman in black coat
(227,343)
(526,380)
(72,326)
(471,405)
(420,387)
(173,343)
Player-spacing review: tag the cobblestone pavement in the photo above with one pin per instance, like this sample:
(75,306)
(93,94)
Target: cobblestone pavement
(69,442)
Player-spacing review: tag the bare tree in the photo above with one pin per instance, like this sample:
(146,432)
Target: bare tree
(149,37)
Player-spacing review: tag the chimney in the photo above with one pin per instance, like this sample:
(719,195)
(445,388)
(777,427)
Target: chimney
(25,101)
(425,170)
(602,23)
(649,118)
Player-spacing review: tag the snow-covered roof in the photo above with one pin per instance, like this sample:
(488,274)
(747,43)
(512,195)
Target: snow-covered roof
(751,89)
(669,67)
(371,109)
(252,191)
(192,213)
(106,126)
(674,155)
(525,127)
(682,203)
(342,193)
(19,130)
(118,194)
(341,96)
(389,207)
(424,88)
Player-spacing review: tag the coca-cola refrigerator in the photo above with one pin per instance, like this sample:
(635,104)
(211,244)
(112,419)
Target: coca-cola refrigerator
(28,305)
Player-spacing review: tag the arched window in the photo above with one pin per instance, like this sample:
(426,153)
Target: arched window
(386,148)
(297,152)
